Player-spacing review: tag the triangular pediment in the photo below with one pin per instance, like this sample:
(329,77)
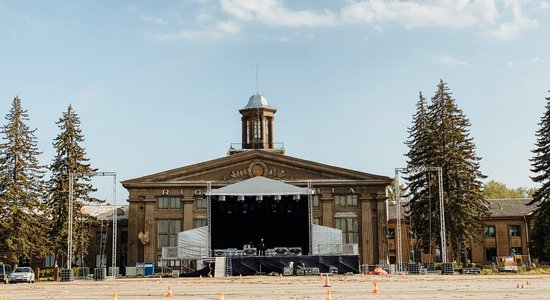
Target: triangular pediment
(249,164)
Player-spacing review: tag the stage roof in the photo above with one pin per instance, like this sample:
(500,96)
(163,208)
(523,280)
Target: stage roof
(259,185)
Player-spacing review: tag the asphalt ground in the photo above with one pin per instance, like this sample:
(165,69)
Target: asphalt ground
(291,287)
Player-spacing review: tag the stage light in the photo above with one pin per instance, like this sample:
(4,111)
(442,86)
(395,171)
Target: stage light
(277,198)
(240,198)
(221,198)
(259,198)
(296,197)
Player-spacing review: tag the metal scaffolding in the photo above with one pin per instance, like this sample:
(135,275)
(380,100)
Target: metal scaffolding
(71,217)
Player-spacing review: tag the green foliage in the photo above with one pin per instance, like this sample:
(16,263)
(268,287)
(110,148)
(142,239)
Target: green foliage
(540,163)
(70,158)
(439,137)
(497,190)
(21,189)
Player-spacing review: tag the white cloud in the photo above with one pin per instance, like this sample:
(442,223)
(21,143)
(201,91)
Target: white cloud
(220,30)
(544,5)
(443,13)
(510,30)
(152,20)
(452,61)
(273,12)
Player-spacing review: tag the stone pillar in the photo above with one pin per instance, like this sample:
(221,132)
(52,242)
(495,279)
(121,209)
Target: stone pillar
(326,202)
(367,248)
(383,252)
(188,202)
(150,249)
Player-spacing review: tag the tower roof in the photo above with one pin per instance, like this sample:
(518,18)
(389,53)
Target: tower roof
(257,101)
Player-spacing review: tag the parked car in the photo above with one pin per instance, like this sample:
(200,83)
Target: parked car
(22,274)
(5,273)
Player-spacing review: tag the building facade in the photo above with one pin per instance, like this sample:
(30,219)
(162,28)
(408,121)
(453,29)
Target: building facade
(163,204)
(507,232)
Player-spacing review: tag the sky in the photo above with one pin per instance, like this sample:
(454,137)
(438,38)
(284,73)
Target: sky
(158,84)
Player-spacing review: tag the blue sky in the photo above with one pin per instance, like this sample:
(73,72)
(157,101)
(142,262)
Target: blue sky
(158,84)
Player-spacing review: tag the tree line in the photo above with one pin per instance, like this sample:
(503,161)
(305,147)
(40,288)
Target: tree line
(440,138)
(34,210)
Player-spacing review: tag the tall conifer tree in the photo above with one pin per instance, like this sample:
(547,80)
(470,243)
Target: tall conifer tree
(21,189)
(540,246)
(70,158)
(446,144)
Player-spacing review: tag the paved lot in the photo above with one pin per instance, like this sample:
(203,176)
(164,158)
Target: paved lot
(295,287)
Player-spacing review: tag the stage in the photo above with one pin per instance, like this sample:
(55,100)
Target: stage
(252,265)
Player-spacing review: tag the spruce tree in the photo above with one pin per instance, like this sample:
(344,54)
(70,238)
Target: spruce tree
(540,245)
(446,143)
(21,190)
(70,158)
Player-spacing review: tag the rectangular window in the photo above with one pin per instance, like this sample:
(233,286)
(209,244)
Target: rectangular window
(49,261)
(391,233)
(345,200)
(315,201)
(317,221)
(167,233)
(201,222)
(515,230)
(350,229)
(100,260)
(201,202)
(162,202)
(515,251)
(351,200)
(491,254)
(490,231)
(124,237)
(100,237)
(175,202)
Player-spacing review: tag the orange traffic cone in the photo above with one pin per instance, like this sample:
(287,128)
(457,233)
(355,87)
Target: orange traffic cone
(328,295)
(375,290)
(221,296)
(327,284)
(114,296)
(169,294)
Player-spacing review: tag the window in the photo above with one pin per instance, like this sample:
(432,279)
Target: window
(515,230)
(490,231)
(515,251)
(317,221)
(167,233)
(169,202)
(100,260)
(201,222)
(49,261)
(490,254)
(201,202)
(100,237)
(391,233)
(124,237)
(350,229)
(315,201)
(345,200)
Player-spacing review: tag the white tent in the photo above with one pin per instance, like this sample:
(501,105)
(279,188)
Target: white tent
(259,186)
(192,244)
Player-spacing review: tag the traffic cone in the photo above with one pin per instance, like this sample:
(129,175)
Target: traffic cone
(517,286)
(327,284)
(169,294)
(328,295)
(200,277)
(375,290)
(362,275)
(160,278)
(221,295)
(114,296)
(522,285)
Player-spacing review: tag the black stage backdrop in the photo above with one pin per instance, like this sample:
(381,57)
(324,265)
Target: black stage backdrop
(282,223)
